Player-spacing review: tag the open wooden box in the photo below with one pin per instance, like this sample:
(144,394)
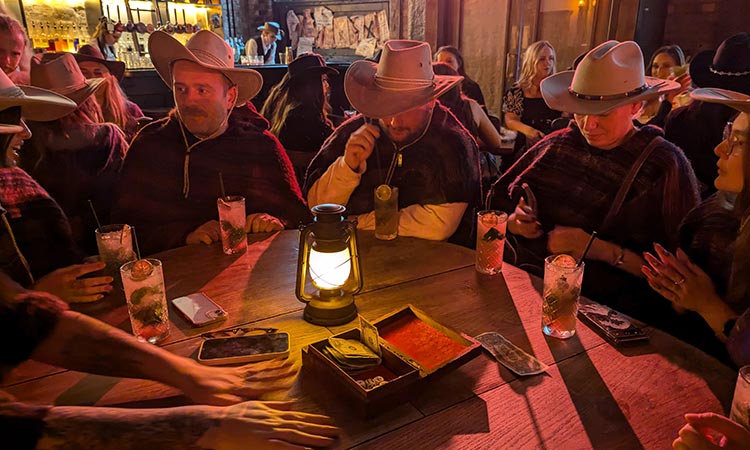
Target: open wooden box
(413,346)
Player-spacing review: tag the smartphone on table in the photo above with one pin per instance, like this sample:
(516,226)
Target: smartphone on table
(244,349)
(199,310)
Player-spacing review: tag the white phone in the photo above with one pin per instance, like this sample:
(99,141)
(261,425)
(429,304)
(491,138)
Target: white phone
(199,309)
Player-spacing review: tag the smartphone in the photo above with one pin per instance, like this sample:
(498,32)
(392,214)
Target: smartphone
(531,205)
(199,310)
(243,349)
(612,325)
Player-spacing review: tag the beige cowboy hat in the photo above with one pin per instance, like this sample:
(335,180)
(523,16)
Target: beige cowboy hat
(36,104)
(208,50)
(61,74)
(736,100)
(403,80)
(609,76)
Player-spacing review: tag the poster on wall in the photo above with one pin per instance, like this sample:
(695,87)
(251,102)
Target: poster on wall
(320,27)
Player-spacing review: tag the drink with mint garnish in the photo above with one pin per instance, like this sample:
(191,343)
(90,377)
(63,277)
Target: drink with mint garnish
(143,281)
(232,223)
(491,226)
(562,289)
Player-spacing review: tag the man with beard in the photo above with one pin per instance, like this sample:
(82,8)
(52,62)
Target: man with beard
(403,139)
(170,180)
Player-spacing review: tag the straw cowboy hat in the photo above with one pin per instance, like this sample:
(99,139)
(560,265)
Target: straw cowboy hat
(36,104)
(89,53)
(62,75)
(402,80)
(736,100)
(609,76)
(727,67)
(309,64)
(208,50)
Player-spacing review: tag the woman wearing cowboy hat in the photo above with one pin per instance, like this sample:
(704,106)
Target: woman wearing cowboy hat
(697,127)
(601,174)
(76,157)
(36,245)
(116,108)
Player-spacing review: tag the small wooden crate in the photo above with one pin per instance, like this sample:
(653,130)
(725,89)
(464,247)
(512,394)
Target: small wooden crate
(406,360)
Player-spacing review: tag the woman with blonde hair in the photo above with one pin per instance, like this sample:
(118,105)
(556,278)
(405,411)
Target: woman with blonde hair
(524,109)
(116,108)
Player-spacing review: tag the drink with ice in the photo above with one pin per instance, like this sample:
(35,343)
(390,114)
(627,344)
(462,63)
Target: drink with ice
(491,227)
(740,411)
(143,281)
(232,223)
(115,243)
(386,212)
(562,289)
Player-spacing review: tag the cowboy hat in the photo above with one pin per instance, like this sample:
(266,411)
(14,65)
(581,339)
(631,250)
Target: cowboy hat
(309,64)
(735,100)
(609,76)
(274,28)
(89,53)
(401,81)
(727,67)
(208,50)
(62,75)
(36,104)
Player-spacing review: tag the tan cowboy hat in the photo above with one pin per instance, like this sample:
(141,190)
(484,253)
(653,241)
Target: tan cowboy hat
(62,75)
(89,53)
(36,104)
(208,50)
(609,76)
(736,100)
(403,80)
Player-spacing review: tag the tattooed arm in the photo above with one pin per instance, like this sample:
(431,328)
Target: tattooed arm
(81,343)
(256,425)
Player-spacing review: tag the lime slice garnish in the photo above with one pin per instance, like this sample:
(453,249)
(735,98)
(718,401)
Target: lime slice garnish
(566,261)
(383,192)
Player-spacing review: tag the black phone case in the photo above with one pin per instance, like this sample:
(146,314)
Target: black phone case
(612,325)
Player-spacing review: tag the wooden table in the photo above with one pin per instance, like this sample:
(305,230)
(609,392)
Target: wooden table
(594,396)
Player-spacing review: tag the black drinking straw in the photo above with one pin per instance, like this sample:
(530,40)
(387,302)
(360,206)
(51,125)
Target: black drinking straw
(96,218)
(221,184)
(135,239)
(586,250)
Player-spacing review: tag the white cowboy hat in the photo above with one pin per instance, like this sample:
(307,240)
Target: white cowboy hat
(403,80)
(609,76)
(208,50)
(735,100)
(61,74)
(36,104)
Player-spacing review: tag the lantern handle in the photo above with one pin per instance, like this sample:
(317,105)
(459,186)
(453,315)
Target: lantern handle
(302,264)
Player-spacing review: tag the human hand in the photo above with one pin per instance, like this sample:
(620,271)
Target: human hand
(228,385)
(709,431)
(267,426)
(685,84)
(207,233)
(533,136)
(360,145)
(67,284)
(569,240)
(523,221)
(678,280)
(262,223)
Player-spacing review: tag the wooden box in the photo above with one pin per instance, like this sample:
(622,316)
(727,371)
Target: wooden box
(413,346)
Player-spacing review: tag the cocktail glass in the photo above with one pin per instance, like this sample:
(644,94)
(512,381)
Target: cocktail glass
(386,212)
(115,243)
(491,226)
(232,222)
(740,412)
(143,281)
(562,289)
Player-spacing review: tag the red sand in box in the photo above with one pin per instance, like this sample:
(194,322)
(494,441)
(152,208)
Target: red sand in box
(428,346)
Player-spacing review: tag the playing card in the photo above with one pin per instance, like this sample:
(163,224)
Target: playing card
(370,336)
(511,356)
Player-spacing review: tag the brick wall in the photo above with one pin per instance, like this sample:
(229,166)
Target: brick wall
(697,25)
